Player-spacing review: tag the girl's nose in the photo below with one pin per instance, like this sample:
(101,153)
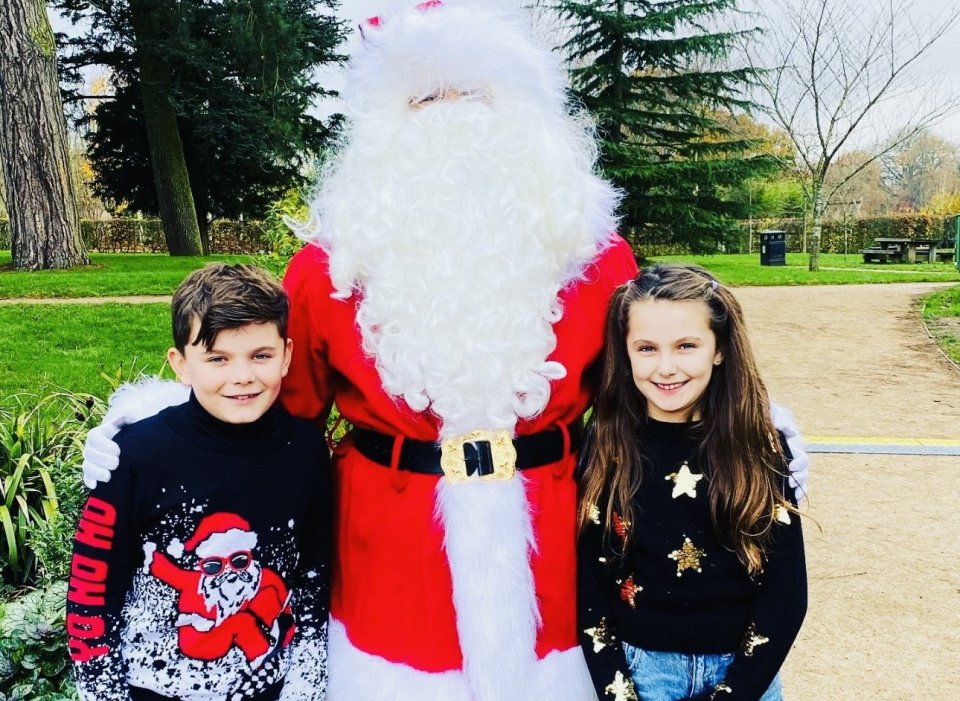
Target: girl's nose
(667,365)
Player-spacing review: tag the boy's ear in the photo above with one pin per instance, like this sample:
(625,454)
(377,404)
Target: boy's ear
(287,355)
(179,365)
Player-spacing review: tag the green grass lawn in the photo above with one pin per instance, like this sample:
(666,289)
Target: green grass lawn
(58,346)
(113,274)
(109,275)
(941,312)
(47,347)
(835,269)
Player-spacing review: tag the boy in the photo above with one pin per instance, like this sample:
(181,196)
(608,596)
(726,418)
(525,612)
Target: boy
(199,569)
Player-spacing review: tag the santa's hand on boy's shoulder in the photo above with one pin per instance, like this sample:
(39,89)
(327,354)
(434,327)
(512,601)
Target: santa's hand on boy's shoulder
(130,403)
(800,461)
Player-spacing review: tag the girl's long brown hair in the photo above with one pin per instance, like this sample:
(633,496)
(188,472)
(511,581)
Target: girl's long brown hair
(738,446)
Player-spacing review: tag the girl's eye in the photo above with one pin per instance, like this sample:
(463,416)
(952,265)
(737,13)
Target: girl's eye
(644,349)
(687,346)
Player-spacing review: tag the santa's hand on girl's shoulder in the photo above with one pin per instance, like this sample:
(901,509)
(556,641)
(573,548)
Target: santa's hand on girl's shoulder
(129,404)
(800,461)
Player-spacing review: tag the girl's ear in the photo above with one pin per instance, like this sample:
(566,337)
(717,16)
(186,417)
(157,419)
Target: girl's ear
(717,358)
(179,365)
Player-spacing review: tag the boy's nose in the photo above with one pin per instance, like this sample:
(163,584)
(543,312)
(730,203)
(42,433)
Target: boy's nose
(243,373)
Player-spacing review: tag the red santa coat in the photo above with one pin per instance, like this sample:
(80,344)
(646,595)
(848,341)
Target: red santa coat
(391,581)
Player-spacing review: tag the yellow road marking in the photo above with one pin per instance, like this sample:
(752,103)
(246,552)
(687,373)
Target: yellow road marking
(879,440)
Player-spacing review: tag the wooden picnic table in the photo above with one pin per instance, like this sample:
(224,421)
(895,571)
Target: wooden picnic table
(908,247)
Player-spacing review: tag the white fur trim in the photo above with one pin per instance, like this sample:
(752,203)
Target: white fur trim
(465,44)
(135,401)
(488,538)
(227,543)
(354,674)
(800,465)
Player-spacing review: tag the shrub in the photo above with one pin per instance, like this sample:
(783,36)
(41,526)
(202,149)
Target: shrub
(289,210)
(34,664)
(131,235)
(41,442)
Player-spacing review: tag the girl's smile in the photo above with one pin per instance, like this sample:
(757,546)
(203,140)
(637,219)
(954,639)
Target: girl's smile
(672,352)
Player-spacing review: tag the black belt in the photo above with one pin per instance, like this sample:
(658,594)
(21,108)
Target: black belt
(534,450)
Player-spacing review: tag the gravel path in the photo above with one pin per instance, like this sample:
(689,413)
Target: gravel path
(884,616)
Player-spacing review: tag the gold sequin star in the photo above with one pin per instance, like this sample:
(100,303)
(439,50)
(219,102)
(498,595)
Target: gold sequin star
(752,639)
(687,557)
(601,635)
(594,513)
(684,481)
(621,689)
(781,514)
(629,591)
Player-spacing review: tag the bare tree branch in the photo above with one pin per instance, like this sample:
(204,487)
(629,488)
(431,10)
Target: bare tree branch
(831,68)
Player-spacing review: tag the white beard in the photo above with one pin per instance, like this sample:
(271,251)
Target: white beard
(227,597)
(459,224)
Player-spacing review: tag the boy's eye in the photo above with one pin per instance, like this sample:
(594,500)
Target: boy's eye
(216,359)
(263,356)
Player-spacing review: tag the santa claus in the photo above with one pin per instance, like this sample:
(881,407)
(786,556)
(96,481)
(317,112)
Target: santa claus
(451,304)
(227,599)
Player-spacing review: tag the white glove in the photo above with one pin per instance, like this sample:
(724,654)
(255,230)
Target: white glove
(131,402)
(800,465)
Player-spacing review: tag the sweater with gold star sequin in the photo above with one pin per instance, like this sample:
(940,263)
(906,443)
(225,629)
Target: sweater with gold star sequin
(677,588)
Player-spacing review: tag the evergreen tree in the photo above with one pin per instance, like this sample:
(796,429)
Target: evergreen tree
(651,75)
(241,86)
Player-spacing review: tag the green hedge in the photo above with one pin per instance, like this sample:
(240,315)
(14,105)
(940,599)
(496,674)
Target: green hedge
(841,237)
(250,237)
(127,235)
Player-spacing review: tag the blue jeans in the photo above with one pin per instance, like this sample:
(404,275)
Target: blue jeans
(672,676)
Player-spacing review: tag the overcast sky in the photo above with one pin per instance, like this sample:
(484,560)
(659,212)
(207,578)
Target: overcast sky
(943,61)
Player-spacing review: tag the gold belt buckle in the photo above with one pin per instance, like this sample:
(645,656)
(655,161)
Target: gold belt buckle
(454,463)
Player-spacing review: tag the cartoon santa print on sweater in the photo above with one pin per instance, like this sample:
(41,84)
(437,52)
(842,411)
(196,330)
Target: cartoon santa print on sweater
(451,303)
(228,599)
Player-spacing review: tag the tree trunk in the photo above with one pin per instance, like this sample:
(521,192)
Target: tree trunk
(153,20)
(816,228)
(40,198)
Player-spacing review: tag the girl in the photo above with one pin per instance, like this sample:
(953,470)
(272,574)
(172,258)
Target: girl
(692,582)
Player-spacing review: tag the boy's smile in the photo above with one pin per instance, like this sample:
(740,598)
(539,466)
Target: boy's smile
(238,379)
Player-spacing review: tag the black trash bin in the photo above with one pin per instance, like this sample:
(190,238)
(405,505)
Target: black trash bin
(773,247)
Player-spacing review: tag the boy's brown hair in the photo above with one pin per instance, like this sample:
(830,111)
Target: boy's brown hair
(221,296)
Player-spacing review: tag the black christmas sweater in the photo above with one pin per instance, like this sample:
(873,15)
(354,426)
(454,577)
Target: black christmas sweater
(678,588)
(200,570)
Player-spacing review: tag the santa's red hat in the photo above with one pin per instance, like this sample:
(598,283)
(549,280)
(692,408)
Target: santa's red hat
(221,535)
